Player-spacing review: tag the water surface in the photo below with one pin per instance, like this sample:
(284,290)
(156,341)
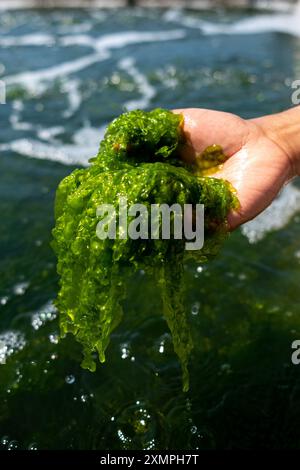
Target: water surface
(68,73)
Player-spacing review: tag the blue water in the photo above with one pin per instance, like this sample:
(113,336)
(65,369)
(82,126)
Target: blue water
(67,74)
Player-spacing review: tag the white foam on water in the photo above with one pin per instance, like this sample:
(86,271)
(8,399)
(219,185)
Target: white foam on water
(117,40)
(78,40)
(86,140)
(89,134)
(145,88)
(281,23)
(179,16)
(30,80)
(262,23)
(99,44)
(275,217)
(85,146)
(15,117)
(72,88)
(120,40)
(50,133)
(67,154)
(35,82)
(10,342)
(36,39)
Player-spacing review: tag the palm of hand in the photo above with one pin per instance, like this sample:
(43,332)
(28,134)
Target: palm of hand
(257,167)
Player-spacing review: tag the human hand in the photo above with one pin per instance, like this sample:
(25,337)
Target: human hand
(259,163)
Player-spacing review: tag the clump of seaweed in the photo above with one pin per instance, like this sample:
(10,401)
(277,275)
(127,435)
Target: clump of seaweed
(137,160)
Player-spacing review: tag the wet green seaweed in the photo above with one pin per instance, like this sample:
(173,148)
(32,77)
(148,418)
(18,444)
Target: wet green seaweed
(137,160)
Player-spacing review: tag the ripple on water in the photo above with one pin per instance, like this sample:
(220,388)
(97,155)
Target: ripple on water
(136,426)
(70,379)
(195,308)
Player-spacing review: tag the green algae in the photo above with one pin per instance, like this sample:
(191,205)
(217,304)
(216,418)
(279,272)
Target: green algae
(210,159)
(137,160)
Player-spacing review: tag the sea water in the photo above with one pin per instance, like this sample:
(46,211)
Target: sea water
(67,74)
